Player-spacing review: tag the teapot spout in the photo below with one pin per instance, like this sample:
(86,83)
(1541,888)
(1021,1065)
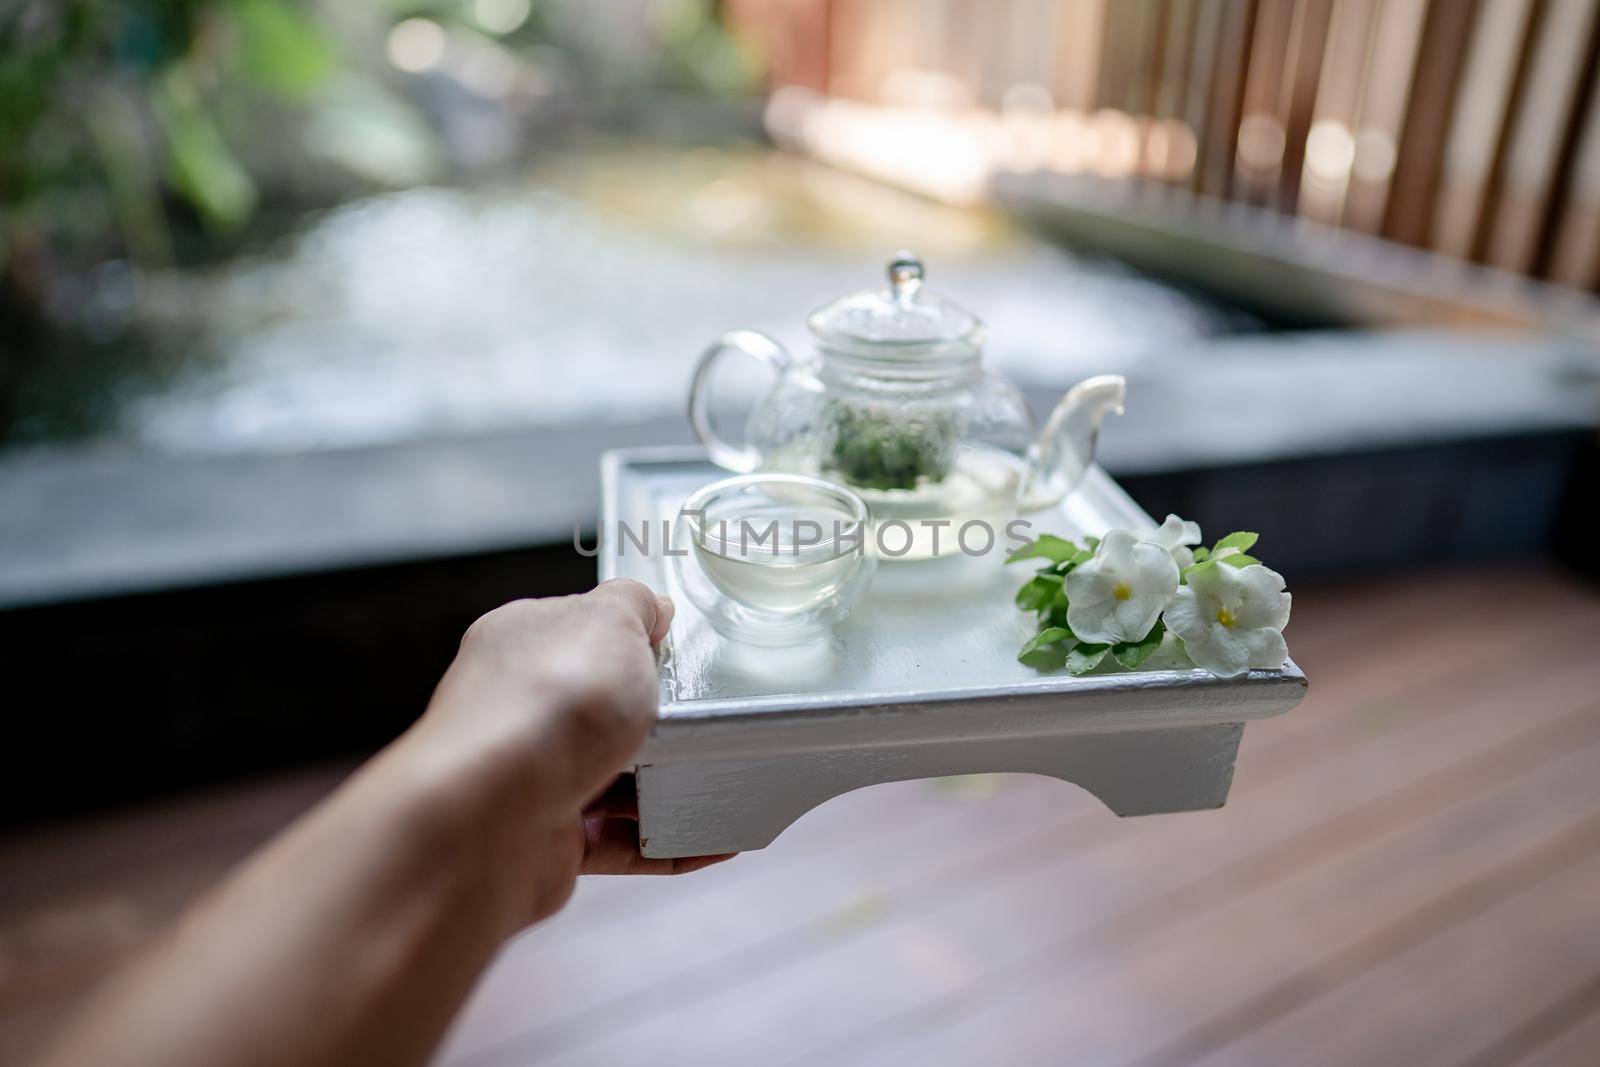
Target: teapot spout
(1061,456)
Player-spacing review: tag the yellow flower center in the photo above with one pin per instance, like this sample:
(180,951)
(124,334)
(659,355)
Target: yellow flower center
(1226,618)
(1122,591)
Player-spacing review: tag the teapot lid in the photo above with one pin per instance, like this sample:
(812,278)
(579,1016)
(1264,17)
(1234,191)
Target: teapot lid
(903,320)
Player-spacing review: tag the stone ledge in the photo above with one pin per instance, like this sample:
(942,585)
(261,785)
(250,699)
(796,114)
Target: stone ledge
(82,523)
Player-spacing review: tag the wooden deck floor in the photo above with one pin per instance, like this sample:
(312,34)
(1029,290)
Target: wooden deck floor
(1408,871)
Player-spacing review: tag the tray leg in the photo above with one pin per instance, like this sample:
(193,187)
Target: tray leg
(701,807)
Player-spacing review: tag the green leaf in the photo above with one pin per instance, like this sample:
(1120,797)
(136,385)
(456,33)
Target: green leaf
(200,165)
(1047,546)
(1038,591)
(1085,658)
(1054,611)
(1044,638)
(1201,554)
(1240,559)
(1067,566)
(282,48)
(1047,651)
(1198,568)
(1092,543)
(1048,658)
(1243,540)
(1132,653)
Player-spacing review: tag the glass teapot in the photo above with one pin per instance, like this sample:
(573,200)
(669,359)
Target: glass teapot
(896,405)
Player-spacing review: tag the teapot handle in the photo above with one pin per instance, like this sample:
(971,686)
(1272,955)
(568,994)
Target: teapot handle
(758,346)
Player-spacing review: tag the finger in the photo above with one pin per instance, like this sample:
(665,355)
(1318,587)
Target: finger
(690,864)
(619,801)
(611,846)
(665,610)
(638,599)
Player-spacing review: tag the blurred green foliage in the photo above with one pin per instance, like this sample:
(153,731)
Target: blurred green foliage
(166,132)
(107,106)
(122,121)
(114,146)
(283,49)
(698,51)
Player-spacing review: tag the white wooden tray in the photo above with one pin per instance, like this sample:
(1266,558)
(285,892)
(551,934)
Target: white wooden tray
(921,680)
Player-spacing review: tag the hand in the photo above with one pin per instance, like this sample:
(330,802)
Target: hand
(546,701)
(377,911)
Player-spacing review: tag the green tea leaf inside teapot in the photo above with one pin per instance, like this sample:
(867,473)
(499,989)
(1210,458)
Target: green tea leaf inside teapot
(884,449)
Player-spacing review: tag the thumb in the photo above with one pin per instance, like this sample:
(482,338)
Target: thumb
(653,612)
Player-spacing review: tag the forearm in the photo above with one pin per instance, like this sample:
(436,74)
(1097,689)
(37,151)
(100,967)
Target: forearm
(352,938)
(355,936)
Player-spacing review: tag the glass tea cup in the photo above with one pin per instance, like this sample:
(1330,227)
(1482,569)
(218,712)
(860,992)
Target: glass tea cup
(773,559)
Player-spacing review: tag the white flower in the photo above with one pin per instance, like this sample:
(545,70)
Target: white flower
(1232,618)
(1118,595)
(1176,535)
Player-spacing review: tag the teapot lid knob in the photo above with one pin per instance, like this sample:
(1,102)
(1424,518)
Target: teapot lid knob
(905,276)
(901,321)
